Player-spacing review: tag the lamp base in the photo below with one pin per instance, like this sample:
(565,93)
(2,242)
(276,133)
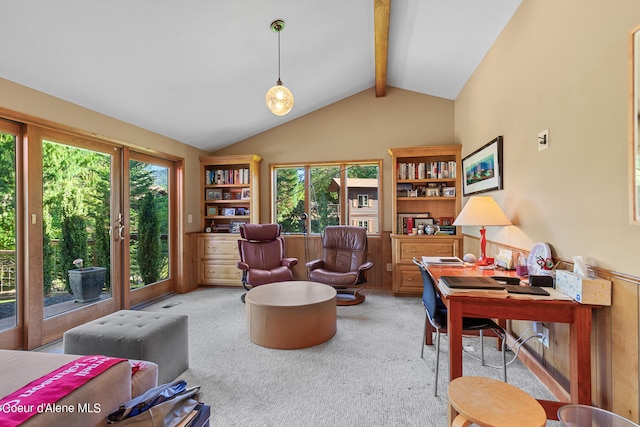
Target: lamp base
(485,261)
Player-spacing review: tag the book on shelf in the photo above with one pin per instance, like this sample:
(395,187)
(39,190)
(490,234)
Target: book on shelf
(226,176)
(407,221)
(427,170)
(447,230)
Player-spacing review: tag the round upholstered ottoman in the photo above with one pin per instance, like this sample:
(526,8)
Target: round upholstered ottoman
(161,338)
(291,315)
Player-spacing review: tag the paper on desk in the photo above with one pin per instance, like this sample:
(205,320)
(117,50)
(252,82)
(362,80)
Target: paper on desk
(553,295)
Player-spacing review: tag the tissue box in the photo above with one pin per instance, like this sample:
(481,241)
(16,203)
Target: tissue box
(585,290)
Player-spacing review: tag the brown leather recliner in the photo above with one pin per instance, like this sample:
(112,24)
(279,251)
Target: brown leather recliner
(343,263)
(262,258)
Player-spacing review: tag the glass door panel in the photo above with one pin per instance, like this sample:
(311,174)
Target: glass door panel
(76,198)
(149,223)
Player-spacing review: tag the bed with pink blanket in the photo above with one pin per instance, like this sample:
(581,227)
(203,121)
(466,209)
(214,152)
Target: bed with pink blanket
(99,386)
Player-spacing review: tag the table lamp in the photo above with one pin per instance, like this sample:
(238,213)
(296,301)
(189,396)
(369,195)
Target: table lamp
(482,211)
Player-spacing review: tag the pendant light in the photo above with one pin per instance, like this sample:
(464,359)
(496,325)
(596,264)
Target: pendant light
(279,98)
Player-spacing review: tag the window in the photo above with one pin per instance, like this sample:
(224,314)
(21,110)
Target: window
(309,197)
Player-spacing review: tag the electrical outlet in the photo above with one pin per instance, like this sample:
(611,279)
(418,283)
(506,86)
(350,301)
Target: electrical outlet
(543,140)
(389,267)
(545,337)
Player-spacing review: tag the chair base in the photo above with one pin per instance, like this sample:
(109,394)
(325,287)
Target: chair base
(347,298)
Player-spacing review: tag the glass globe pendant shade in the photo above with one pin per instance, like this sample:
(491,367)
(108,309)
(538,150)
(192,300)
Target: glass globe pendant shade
(279,99)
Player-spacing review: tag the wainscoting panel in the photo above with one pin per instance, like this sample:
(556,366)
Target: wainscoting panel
(615,342)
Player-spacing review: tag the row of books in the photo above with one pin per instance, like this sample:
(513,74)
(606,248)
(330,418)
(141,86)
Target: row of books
(428,170)
(226,176)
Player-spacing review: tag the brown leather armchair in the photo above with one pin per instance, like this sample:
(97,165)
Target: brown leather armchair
(262,258)
(343,263)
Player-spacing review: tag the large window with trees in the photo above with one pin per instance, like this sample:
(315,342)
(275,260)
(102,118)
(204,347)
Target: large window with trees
(308,197)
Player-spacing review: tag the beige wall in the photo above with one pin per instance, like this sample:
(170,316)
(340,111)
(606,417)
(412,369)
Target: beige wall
(560,65)
(23,100)
(360,127)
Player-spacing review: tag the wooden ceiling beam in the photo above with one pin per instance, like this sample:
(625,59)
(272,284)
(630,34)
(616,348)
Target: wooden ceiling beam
(381,11)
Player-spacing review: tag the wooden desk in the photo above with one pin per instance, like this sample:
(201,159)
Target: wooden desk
(577,315)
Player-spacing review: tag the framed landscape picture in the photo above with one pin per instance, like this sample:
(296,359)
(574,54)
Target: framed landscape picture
(482,169)
(229,212)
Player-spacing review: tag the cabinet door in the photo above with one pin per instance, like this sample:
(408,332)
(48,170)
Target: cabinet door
(217,260)
(408,280)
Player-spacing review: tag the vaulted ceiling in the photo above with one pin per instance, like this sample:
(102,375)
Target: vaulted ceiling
(197,71)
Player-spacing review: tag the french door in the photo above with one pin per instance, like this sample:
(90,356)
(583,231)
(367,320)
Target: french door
(71,207)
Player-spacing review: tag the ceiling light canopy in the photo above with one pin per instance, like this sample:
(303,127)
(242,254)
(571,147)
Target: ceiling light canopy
(279,98)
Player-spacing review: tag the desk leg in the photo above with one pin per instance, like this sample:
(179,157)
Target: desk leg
(580,381)
(454,329)
(429,338)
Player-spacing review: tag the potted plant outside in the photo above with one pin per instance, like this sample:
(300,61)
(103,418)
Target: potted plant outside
(86,283)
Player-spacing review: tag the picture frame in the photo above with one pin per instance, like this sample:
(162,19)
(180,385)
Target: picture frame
(482,169)
(212,211)
(446,220)
(449,192)
(246,194)
(229,212)
(235,226)
(213,194)
(240,212)
(432,192)
(226,195)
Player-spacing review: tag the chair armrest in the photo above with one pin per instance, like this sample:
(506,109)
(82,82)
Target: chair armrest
(289,262)
(315,264)
(243,266)
(367,265)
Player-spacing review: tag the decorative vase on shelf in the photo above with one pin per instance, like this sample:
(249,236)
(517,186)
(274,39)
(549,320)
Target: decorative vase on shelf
(87,284)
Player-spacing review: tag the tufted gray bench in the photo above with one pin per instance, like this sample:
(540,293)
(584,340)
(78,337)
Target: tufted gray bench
(161,338)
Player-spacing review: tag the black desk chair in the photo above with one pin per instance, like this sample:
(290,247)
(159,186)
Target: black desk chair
(436,315)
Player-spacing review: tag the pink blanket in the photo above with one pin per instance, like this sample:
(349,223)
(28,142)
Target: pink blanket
(39,396)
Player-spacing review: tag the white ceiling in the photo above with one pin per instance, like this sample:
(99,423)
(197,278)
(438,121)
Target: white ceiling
(198,70)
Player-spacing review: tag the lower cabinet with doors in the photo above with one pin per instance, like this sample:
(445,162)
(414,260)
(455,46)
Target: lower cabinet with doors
(217,259)
(407,279)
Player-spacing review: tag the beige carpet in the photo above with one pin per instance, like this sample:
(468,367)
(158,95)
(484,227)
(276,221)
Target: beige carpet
(369,374)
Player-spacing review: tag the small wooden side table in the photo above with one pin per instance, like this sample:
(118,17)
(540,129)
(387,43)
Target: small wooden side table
(492,403)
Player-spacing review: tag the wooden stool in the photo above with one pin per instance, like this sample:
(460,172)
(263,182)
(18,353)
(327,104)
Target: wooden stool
(492,403)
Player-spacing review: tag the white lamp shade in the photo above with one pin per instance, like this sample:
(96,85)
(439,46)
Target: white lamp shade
(279,100)
(481,210)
